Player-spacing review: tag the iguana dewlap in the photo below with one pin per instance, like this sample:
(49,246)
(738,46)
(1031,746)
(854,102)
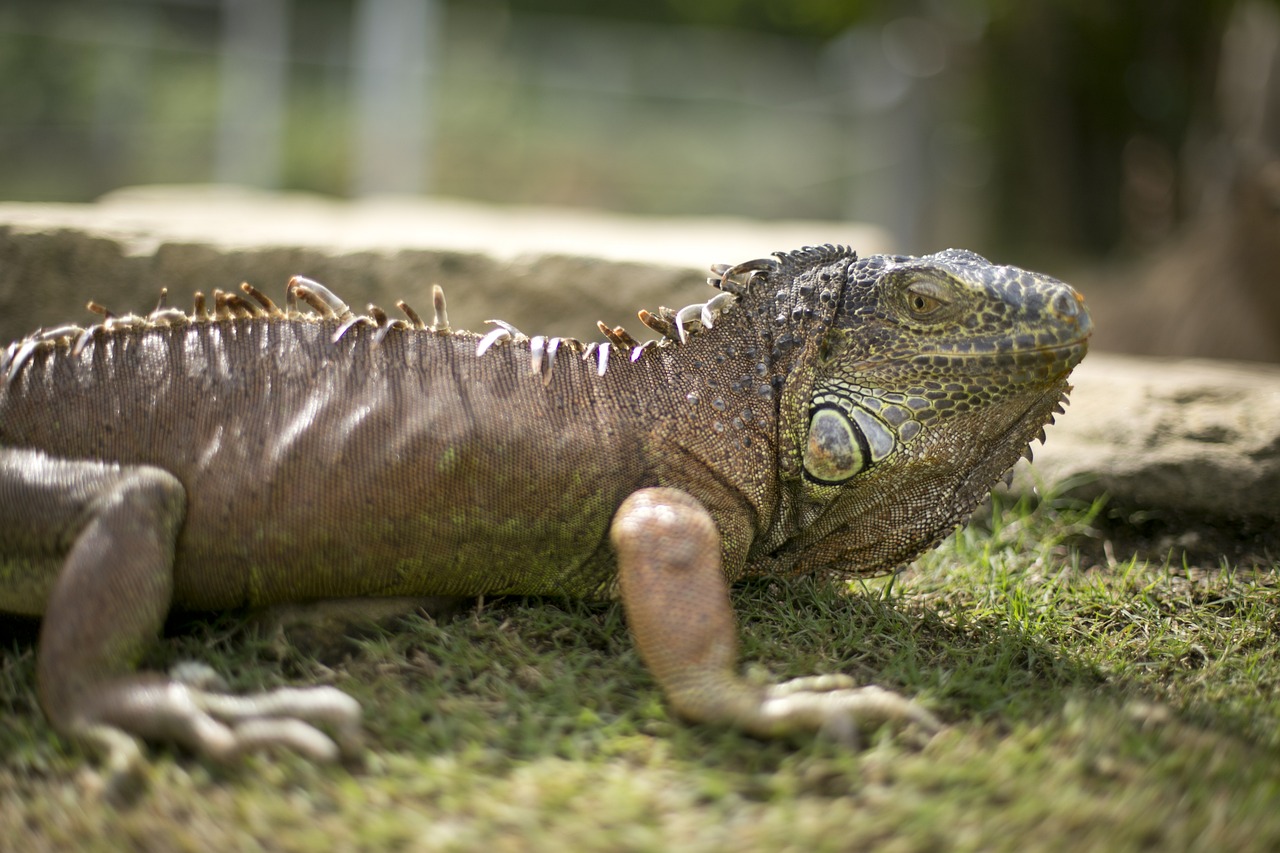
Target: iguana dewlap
(822,413)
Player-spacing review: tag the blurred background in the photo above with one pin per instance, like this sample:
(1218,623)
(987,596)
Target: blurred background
(1131,147)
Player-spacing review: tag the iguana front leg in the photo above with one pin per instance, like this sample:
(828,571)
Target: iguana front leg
(91,546)
(677,604)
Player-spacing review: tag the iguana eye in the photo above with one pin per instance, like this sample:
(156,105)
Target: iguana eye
(921,304)
(925,297)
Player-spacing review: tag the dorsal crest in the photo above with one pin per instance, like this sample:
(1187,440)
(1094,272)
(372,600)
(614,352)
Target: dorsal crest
(309,301)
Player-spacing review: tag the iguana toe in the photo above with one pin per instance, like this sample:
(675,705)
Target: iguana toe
(216,725)
(831,706)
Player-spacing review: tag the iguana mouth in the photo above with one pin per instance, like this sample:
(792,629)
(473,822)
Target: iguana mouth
(1042,361)
(1062,357)
(1075,349)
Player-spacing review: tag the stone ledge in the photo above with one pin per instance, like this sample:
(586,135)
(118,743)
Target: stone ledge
(551,271)
(1196,438)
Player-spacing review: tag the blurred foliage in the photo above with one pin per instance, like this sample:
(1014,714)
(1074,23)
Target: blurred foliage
(1068,84)
(812,18)
(1064,85)
(1052,91)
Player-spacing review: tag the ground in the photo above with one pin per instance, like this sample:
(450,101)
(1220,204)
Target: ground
(1091,701)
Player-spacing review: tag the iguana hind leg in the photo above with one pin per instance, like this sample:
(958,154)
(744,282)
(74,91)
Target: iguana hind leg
(677,604)
(96,542)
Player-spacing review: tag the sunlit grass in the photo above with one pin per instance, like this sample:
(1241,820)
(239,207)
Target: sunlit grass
(1090,704)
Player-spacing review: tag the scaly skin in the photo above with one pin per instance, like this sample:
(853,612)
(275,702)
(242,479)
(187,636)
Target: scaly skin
(842,415)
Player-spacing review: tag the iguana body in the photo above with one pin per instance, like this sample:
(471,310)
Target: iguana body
(842,416)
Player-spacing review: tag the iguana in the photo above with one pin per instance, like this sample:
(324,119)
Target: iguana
(821,413)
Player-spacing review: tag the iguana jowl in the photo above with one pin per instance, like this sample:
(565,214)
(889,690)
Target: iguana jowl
(823,413)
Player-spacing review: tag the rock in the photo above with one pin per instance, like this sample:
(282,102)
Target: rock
(1194,440)
(549,271)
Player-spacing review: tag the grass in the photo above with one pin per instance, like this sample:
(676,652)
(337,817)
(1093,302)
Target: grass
(1091,703)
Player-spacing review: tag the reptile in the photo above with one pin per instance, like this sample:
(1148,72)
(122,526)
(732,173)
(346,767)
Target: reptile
(822,413)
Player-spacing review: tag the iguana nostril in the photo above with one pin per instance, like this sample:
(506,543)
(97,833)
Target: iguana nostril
(1066,305)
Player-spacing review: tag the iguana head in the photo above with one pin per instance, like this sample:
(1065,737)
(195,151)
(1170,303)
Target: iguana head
(920,381)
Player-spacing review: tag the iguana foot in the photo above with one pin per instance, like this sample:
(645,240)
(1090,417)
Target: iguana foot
(281,718)
(211,723)
(677,604)
(99,542)
(833,706)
